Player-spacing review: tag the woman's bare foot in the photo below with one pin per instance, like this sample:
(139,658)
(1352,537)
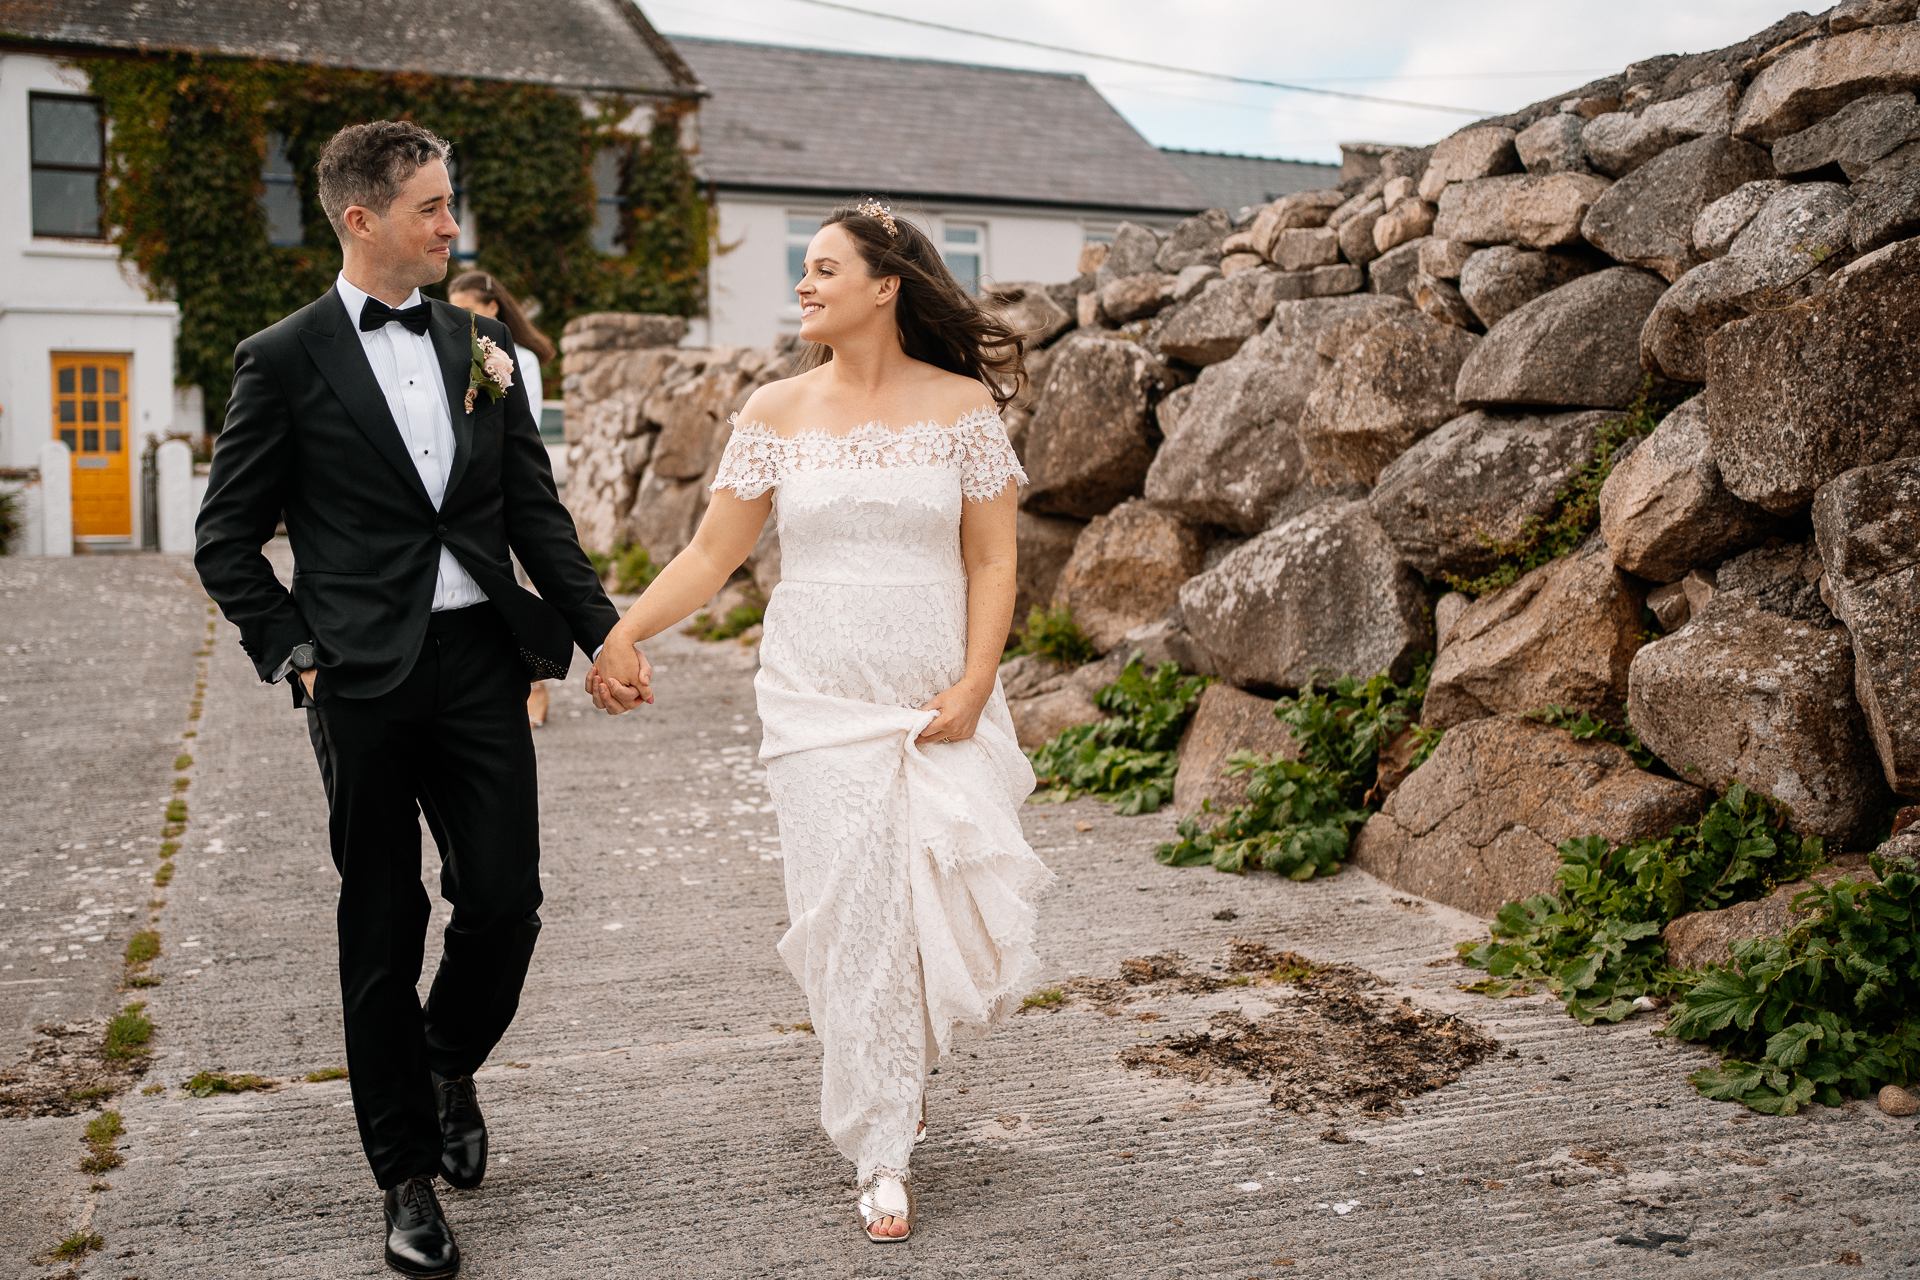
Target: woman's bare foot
(537,704)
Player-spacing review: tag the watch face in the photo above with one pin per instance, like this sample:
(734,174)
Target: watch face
(303,657)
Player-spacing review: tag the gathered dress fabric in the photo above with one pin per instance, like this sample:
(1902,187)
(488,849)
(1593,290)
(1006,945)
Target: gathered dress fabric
(909,883)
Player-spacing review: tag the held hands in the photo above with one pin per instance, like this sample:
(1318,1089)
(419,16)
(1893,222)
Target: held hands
(621,679)
(959,709)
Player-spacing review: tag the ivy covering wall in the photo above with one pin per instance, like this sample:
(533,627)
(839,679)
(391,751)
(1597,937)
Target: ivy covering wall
(189,136)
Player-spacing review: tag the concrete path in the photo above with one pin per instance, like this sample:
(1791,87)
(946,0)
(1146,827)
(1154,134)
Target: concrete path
(653,1109)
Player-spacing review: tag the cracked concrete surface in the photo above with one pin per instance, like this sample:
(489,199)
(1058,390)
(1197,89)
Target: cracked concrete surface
(653,1109)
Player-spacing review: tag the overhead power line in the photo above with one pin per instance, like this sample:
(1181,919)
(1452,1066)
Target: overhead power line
(1136,62)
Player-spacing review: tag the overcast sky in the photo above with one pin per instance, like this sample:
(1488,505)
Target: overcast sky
(1489,55)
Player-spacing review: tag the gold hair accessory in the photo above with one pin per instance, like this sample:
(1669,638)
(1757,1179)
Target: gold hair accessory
(883,215)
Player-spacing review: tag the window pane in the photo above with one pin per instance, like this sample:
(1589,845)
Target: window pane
(66,408)
(277,165)
(66,132)
(89,380)
(280,203)
(66,381)
(966,269)
(606,174)
(89,411)
(113,410)
(111,381)
(802,226)
(796,264)
(90,439)
(113,437)
(606,226)
(70,437)
(66,204)
(963,235)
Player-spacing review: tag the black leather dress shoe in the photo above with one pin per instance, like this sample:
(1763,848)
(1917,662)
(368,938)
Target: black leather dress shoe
(463,1132)
(419,1241)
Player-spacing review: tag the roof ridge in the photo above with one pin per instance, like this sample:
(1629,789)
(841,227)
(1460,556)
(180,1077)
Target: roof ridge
(881,57)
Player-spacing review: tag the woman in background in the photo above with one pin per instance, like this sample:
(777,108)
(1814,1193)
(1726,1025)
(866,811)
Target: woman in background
(483,295)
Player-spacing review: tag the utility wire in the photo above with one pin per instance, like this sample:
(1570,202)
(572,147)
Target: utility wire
(1136,62)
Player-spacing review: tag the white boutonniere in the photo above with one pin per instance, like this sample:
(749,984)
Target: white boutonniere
(492,369)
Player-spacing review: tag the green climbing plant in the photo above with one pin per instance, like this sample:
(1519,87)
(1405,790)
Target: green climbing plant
(1129,758)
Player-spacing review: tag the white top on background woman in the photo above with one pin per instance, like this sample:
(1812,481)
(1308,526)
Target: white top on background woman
(890,755)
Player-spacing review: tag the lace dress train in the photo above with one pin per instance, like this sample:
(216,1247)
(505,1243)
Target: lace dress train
(909,883)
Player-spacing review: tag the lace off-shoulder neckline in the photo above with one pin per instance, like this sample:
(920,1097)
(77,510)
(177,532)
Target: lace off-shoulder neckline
(976,442)
(871,430)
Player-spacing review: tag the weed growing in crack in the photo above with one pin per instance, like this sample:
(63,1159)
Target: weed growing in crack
(128,1033)
(79,1245)
(326,1073)
(102,1131)
(1045,998)
(208,1083)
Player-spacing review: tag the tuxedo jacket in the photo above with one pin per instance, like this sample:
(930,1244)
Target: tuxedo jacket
(309,436)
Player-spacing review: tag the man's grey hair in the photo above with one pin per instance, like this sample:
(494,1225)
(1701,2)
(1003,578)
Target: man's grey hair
(367,164)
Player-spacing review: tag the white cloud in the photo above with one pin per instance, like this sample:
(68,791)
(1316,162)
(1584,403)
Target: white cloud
(1490,54)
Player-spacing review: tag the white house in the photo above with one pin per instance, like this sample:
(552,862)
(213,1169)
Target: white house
(85,356)
(1011,172)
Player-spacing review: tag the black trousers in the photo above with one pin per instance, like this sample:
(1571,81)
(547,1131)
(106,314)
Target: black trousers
(451,742)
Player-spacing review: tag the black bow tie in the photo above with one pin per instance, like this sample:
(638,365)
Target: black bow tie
(377,313)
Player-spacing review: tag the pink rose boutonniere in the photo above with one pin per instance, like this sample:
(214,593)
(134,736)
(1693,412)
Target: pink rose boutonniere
(492,370)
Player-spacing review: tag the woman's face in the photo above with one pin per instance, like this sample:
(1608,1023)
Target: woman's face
(837,296)
(475,303)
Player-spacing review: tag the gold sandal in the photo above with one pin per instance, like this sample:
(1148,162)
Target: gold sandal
(880,1200)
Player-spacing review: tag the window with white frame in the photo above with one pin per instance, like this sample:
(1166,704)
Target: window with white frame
(964,247)
(467,246)
(800,231)
(1099,232)
(68,143)
(280,194)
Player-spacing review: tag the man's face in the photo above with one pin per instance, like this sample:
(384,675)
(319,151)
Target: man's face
(415,238)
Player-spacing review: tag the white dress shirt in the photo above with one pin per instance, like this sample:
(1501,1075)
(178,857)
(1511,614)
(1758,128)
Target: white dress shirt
(408,371)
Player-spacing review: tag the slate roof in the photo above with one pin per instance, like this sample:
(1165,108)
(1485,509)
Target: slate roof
(568,44)
(790,119)
(1233,182)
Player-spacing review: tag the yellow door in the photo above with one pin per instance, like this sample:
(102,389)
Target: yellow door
(90,417)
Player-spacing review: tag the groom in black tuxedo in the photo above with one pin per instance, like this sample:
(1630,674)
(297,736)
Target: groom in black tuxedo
(406,469)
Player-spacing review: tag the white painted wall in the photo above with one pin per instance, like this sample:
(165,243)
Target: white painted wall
(750,302)
(66,295)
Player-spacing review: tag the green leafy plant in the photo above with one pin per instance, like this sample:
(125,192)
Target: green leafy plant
(1575,511)
(1130,757)
(1595,941)
(1825,1012)
(733,623)
(1585,727)
(1045,998)
(176,811)
(128,1033)
(627,570)
(1054,635)
(1300,814)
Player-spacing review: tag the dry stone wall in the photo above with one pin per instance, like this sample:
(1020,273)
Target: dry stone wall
(1256,446)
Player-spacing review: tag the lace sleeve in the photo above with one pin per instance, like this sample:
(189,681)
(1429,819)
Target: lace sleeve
(751,464)
(987,458)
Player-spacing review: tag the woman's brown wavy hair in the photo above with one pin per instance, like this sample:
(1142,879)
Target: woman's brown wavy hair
(940,322)
(512,314)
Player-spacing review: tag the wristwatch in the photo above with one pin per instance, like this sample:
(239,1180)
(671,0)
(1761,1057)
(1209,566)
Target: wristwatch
(301,658)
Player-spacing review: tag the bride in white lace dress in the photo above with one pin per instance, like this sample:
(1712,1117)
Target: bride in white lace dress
(889,751)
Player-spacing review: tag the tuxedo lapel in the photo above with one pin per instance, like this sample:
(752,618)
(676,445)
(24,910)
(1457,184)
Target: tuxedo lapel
(342,361)
(453,344)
